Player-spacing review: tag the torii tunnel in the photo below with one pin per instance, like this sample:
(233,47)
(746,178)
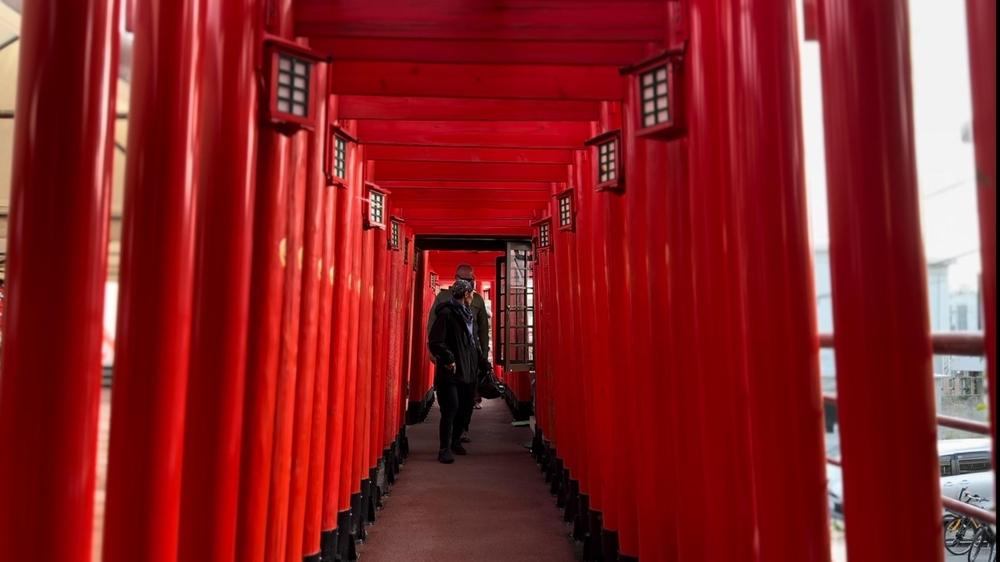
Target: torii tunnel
(627,180)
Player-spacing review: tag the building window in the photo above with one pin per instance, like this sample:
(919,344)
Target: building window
(375,203)
(608,158)
(339,157)
(654,96)
(657,99)
(565,206)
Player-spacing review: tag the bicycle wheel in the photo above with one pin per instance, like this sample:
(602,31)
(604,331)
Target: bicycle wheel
(982,544)
(958,533)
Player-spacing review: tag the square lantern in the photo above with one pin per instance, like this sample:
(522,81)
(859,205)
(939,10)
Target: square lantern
(337,155)
(395,233)
(566,212)
(375,206)
(406,251)
(608,160)
(544,236)
(658,99)
(434,281)
(291,84)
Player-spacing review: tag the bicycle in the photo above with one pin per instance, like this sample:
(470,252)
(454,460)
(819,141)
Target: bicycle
(959,530)
(985,541)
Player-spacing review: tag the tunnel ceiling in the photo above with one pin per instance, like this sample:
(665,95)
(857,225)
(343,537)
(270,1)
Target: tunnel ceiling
(470,112)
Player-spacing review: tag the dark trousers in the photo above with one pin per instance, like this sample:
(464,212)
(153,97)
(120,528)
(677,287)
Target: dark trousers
(455,400)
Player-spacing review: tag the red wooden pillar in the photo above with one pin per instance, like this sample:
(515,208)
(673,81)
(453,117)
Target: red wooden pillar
(717,431)
(782,356)
(325,381)
(270,263)
(362,430)
(157,273)
(284,413)
(222,282)
(312,277)
(380,334)
(57,254)
(347,225)
(878,271)
(982,22)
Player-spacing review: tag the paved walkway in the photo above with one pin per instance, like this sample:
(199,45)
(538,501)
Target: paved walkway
(492,505)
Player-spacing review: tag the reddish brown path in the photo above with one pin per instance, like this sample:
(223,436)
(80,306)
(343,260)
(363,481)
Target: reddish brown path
(492,505)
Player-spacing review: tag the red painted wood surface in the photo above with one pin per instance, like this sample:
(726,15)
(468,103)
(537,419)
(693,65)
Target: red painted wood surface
(401,170)
(563,20)
(483,51)
(476,80)
(878,275)
(142,513)
(468,154)
(509,134)
(213,428)
(54,277)
(982,16)
(388,108)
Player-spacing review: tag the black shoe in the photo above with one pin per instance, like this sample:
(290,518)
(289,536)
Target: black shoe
(465,437)
(458,449)
(445,457)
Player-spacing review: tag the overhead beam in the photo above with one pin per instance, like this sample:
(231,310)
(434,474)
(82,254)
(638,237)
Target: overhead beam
(431,229)
(509,134)
(467,171)
(479,51)
(476,80)
(395,186)
(464,109)
(419,153)
(531,20)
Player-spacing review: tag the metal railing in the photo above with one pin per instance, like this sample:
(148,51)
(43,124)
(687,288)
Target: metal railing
(971,344)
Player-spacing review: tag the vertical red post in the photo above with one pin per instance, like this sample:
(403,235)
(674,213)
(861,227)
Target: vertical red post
(347,220)
(157,274)
(264,342)
(313,527)
(782,355)
(982,23)
(57,254)
(284,413)
(267,289)
(312,277)
(878,271)
(222,284)
(715,410)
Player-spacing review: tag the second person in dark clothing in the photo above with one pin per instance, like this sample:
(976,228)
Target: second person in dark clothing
(457,362)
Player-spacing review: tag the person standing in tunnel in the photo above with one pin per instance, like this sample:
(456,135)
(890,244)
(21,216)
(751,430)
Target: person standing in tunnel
(456,350)
(481,327)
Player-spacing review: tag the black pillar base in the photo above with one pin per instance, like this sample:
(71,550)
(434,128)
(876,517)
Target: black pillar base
(328,544)
(389,459)
(592,545)
(318,557)
(625,558)
(404,443)
(380,482)
(609,545)
(416,412)
(572,501)
(345,535)
(581,523)
(359,503)
(370,500)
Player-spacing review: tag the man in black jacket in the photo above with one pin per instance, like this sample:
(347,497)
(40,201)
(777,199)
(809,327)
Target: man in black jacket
(481,329)
(453,343)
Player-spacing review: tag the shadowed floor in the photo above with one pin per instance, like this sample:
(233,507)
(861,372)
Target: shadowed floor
(492,505)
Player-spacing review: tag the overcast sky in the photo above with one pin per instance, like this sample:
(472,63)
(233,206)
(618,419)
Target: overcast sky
(942,109)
